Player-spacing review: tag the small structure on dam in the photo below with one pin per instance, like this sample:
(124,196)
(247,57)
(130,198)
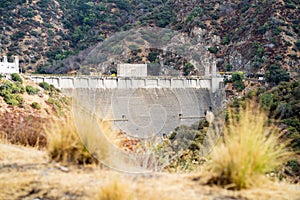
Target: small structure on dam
(132,70)
(143,106)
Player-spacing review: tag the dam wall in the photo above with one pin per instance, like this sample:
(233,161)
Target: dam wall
(143,112)
(142,107)
(68,82)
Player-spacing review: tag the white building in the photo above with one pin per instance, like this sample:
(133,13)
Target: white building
(132,70)
(9,68)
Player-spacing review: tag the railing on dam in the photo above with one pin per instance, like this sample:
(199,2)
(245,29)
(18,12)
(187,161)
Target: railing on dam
(69,82)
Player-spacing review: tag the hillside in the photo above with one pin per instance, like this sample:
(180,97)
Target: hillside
(26,109)
(242,35)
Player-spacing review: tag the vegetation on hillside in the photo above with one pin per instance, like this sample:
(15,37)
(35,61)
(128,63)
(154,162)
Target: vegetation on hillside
(247,35)
(25,109)
(251,148)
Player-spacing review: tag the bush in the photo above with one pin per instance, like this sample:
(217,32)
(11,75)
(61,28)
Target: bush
(250,149)
(8,88)
(10,99)
(16,77)
(65,145)
(31,90)
(188,68)
(276,75)
(18,88)
(213,49)
(20,100)
(45,86)
(237,79)
(36,105)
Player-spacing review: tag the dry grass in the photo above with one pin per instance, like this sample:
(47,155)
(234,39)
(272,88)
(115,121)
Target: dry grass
(250,149)
(116,190)
(65,145)
(22,128)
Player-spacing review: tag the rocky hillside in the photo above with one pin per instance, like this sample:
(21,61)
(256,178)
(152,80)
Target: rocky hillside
(27,108)
(246,35)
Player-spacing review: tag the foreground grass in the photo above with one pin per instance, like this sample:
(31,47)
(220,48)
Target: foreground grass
(115,190)
(250,149)
(64,144)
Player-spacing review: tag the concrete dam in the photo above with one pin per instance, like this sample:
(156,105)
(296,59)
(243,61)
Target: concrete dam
(142,106)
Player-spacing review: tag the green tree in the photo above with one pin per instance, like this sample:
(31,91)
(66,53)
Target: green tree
(237,80)
(276,75)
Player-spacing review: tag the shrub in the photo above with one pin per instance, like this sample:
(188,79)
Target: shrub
(276,75)
(188,68)
(55,102)
(11,100)
(8,88)
(20,100)
(16,77)
(213,49)
(196,12)
(65,145)
(45,86)
(250,149)
(31,90)
(237,79)
(36,105)
(18,88)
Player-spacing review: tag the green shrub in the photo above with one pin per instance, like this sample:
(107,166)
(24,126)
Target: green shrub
(10,99)
(16,77)
(31,90)
(6,87)
(196,12)
(237,79)
(9,87)
(55,102)
(20,99)
(36,105)
(18,88)
(276,75)
(188,68)
(45,86)
(266,100)
(213,49)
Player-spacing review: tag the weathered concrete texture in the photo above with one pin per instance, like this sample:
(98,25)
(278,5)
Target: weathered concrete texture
(66,82)
(144,112)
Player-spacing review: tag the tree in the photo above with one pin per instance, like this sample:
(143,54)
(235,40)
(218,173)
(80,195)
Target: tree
(237,80)
(276,75)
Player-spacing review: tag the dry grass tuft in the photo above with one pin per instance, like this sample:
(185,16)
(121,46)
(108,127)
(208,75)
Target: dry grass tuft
(115,190)
(65,145)
(250,149)
(22,128)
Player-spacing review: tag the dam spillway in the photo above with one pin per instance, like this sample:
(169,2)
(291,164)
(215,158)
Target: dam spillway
(142,107)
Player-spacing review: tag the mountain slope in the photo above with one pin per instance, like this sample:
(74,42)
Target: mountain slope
(247,35)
